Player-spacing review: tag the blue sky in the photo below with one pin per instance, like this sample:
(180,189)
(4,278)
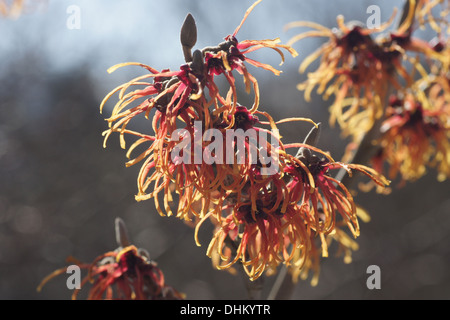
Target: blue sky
(148,31)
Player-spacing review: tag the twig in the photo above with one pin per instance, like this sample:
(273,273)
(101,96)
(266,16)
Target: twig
(255,287)
(365,151)
(283,286)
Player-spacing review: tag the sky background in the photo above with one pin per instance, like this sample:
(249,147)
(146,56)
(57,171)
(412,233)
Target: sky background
(60,190)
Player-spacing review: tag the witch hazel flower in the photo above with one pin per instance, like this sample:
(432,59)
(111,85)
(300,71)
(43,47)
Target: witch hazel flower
(126,273)
(180,95)
(424,14)
(346,245)
(268,207)
(415,137)
(232,55)
(274,220)
(359,67)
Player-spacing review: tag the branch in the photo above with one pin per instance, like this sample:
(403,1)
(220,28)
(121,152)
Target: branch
(254,288)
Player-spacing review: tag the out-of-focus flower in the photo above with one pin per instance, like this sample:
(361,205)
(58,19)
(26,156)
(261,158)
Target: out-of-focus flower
(309,264)
(11,8)
(437,20)
(346,60)
(126,273)
(359,69)
(416,135)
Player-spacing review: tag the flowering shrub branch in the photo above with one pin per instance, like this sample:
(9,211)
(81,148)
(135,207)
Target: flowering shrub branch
(401,67)
(271,203)
(262,220)
(126,273)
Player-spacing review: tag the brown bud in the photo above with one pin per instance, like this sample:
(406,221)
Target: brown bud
(122,238)
(188,36)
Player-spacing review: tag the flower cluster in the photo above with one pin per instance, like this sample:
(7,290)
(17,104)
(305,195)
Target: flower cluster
(226,163)
(126,273)
(176,96)
(415,136)
(359,69)
(415,132)
(425,14)
(280,216)
(393,87)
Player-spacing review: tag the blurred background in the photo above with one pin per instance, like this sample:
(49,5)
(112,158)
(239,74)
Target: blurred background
(60,190)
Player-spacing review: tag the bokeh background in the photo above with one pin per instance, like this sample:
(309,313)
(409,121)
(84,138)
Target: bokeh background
(60,190)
